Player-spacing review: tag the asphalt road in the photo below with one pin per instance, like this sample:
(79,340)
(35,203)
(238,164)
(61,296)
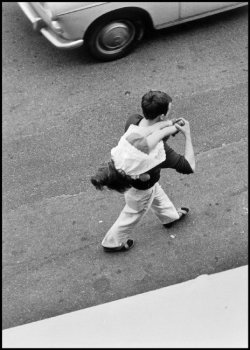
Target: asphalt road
(62,112)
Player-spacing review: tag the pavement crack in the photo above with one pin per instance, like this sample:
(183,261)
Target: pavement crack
(239,191)
(223,146)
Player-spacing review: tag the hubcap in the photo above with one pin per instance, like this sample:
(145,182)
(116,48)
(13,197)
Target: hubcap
(116,36)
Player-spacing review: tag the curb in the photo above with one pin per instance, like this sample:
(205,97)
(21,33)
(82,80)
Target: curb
(209,311)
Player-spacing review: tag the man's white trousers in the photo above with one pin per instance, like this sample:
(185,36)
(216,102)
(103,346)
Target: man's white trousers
(138,202)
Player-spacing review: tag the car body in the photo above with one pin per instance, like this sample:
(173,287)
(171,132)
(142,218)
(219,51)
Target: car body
(111,30)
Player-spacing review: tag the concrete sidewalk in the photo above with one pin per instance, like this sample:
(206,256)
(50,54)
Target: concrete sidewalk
(209,311)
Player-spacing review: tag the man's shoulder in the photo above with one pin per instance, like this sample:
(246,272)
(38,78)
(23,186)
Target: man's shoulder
(133,119)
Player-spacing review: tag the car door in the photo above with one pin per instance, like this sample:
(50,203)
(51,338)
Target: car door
(161,13)
(188,9)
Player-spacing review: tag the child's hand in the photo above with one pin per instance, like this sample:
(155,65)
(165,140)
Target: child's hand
(144,177)
(185,129)
(164,123)
(169,122)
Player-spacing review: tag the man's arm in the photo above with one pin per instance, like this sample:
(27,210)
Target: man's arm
(175,161)
(189,151)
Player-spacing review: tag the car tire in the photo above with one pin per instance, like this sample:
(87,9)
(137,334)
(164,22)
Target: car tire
(113,38)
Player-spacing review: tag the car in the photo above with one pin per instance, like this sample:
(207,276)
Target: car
(111,30)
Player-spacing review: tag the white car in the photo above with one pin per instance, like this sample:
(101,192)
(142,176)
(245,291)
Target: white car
(111,30)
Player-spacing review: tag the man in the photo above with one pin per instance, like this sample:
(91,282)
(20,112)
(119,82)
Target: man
(144,192)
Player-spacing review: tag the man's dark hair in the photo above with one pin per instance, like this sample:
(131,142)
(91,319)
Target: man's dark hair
(155,103)
(111,178)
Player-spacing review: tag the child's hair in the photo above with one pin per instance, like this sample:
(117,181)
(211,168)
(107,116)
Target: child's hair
(111,178)
(155,103)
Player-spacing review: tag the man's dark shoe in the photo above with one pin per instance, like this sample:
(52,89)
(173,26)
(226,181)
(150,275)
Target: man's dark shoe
(183,212)
(125,246)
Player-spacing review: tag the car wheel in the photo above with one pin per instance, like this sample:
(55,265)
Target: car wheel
(114,38)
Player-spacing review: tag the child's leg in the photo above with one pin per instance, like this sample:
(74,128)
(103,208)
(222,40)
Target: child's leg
(162,206)
(137,204)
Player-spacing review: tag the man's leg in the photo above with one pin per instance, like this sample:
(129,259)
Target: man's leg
(162,206)
(137,204)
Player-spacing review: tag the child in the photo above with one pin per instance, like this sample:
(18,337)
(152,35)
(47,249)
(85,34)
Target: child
(135,167)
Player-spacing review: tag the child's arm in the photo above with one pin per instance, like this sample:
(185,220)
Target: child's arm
(157,126)
(158,135)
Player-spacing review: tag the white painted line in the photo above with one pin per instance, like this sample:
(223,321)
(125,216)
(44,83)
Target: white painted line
(209,311)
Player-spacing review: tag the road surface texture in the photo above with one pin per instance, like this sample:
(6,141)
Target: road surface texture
(62,113)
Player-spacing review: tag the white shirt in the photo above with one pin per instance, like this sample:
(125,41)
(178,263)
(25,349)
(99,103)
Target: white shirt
(134,162)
